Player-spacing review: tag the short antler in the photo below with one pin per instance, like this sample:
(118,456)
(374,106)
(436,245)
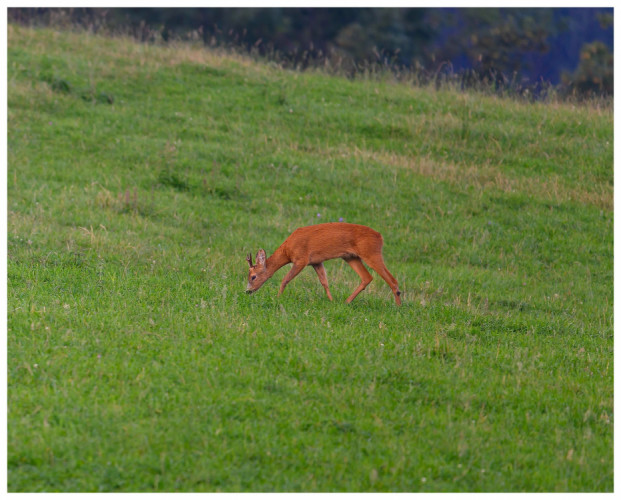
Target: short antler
(249,259)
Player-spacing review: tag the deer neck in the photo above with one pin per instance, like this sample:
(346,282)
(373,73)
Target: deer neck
(276,261)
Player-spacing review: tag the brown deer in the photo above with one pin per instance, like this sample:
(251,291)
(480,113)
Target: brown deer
(312,245)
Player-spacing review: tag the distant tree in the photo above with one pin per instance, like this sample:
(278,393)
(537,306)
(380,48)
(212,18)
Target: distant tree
(399,34)
(495,39)
(595,72)
(606,20)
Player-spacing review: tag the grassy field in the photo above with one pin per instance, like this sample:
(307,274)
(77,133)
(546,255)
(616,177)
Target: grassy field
(139,177)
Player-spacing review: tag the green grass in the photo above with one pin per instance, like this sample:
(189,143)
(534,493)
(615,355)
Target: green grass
(140,177)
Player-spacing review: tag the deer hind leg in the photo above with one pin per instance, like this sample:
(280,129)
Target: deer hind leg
(357,265)
(321,272)
(376,263)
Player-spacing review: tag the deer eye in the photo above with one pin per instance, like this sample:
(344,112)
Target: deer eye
(253,277)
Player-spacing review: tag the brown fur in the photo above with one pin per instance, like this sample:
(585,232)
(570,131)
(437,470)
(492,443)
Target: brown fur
(312,245)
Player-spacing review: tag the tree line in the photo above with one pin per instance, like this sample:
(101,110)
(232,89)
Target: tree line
(526,48)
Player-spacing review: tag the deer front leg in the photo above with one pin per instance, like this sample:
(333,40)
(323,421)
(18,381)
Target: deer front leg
(321,272)
(365,276)
(293,272)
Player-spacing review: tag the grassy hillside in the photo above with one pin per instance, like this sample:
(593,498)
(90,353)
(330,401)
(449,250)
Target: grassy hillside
(139,177)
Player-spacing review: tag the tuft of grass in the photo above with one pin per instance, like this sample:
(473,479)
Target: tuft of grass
(138,363)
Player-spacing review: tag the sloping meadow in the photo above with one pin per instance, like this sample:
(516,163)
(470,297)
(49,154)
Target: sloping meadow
(140,176)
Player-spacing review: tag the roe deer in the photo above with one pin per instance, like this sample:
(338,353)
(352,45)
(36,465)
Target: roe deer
(312,245)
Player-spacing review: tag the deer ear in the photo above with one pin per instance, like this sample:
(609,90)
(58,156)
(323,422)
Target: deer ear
(261,257)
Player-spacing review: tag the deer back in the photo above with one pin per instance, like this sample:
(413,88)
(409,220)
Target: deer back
(321,242)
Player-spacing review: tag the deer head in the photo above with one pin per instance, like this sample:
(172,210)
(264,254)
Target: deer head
(257,274)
